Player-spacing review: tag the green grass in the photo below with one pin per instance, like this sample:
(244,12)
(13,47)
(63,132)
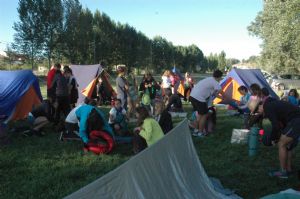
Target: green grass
(43,167)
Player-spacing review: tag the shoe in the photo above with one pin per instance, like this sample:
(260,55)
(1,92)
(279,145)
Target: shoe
(27,133)
(279,174)
(198,134)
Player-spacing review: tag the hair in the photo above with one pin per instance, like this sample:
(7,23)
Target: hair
(57,65)
(166,73)
(217,74)
(295,91)
(118,100)
(143,114)
(161,104)
(94,121)
(92,102)
(255,89)
(168,92)
(243,88)
(265,92)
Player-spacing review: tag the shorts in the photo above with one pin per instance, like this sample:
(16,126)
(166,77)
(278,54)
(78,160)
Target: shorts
(201,107)
(292,130)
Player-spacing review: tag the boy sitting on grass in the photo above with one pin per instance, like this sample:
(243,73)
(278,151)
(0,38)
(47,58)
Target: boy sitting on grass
(118,118)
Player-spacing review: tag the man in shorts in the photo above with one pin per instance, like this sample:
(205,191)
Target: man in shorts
(201,94)
(285,119)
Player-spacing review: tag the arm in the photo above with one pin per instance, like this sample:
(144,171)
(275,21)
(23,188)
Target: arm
(83,115)
(271,115)
(106,126)
(146,130)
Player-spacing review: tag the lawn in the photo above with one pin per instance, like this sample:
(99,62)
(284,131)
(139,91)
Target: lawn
(44,167)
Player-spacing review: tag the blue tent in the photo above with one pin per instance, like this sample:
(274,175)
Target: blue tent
(19,91)
(243,77)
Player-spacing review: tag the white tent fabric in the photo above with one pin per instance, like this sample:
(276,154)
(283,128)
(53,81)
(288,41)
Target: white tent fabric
(168,169)
(84,74)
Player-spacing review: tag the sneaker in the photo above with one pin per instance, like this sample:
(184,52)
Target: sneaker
(198,134)
(279,174)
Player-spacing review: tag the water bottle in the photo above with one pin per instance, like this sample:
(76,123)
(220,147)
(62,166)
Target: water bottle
(253,141)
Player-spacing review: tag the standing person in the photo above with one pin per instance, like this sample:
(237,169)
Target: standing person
(50,77)
(50,90)
(122,85)
(149,87)
(200,96)
(188,85)
(62,102)
(72,85)
(166,81)
(285,120)
(132,94)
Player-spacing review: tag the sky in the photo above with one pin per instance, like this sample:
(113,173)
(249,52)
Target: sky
(212,25)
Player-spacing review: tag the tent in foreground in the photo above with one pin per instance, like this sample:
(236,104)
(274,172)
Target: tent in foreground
(19,92)
(86,77)
(168,169)
(243,77)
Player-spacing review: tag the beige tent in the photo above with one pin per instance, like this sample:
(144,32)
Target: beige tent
(168,169)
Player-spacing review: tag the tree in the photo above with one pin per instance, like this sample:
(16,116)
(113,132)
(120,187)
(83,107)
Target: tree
(222,61)
(278,25)
(72,10)
(52,21)
(28,39)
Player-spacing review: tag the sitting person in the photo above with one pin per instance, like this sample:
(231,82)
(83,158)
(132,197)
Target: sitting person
(163,117)
(148,131)
(38,119)
(293,97)
(118,118)
(173,102)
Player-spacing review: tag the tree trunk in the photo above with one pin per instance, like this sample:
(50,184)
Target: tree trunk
(32,61)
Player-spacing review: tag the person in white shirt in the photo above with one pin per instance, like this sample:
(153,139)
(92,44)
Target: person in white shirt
(202,92)
(118,118)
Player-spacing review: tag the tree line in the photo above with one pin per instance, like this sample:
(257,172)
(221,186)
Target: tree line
(62,30)
(278,25)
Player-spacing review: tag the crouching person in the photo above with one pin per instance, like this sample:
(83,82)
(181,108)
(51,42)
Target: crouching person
(92,128)
(148,131)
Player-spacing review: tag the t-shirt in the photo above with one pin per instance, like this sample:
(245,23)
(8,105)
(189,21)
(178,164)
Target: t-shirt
(113,112)
(120,85)
(205,88)
(50,77)
(72,118)
(166,82)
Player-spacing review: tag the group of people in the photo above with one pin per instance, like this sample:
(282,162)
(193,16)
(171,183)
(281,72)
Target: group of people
(148,103)
(284,115)
(151,101)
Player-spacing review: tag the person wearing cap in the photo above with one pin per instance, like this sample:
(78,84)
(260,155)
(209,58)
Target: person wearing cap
(122,85)
(285,120)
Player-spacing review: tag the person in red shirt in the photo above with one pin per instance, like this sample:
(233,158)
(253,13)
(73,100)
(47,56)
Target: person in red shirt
(50,77)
